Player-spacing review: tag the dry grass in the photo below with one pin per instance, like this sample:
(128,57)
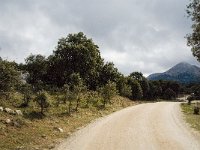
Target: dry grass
(191,118)
(40,133)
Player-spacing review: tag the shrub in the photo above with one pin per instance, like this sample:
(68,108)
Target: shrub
(108,92)
(169,94)
(42,101)
(196,110)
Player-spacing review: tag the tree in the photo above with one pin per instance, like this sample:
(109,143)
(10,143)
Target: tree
(155,90)
(76,87)
(109,73)
(123,87)
(42,101)
(193,39)
(169,94)
(136,76)
(26,90)
(145,87)
(36,65)
(108,92)
(144,84)
(76,54)
(68,96)
(136,89)
(9,76)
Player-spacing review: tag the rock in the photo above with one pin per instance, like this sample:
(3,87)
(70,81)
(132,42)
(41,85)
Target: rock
(59,129)
(20,147)
(16,124)
(51,146)
(1,108)
(10,111)
(69,133)
(19,112)
(44,136)
(8,121)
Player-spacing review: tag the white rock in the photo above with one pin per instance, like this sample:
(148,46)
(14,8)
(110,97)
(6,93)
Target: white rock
(19,112)
(8,110)
(59,129)
(8,121)
(1,108)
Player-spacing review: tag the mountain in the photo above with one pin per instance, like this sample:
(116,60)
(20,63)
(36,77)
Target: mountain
(182,72)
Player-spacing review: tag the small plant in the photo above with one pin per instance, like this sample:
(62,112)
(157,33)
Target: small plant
(42,101)
(108,92)
(25,89)
(196,110)
(169,94)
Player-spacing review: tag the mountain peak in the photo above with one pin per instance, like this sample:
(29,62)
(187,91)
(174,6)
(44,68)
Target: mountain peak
(182,72)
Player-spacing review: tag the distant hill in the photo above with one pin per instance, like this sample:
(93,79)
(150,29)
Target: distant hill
(182,72)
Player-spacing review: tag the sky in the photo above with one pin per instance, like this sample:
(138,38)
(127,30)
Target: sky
(136,35)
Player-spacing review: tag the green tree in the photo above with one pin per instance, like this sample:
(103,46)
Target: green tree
(26,90)
(123,87)
(36,65)
(169,94)
(109,73)
(77,88)
(108,92)
(42,100)
(9,76)
(76,54)
(136,89)
(138,76)
(193,39)
(155,90)
(145,87)
(68,96)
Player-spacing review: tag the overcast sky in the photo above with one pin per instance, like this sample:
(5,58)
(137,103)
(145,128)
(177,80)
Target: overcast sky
(136,35)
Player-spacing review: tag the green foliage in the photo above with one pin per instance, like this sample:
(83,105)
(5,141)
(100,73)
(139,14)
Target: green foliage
(9,76)
(193,39)
(155,90)
(136,89)
(36,65)
(169,94)
(93,98)
(42,100)
(74,90)
(145,87)
(26,90)
(123,87)
(76,54)
(142,90)
(109,73)
(108,92)
(196,91)
(137,76)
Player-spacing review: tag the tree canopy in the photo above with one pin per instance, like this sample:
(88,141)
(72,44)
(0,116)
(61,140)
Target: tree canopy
(193,39)
(76,54)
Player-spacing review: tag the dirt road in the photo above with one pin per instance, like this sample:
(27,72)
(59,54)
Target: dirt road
(152,126)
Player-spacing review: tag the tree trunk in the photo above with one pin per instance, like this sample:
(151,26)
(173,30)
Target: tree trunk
(77,103)
(69,108)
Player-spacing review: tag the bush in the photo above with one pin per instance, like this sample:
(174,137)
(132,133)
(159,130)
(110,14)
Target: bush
(196,110)
(108,92)
(42,101)
(169,94)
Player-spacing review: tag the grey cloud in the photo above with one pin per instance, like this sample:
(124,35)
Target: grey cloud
(137,35)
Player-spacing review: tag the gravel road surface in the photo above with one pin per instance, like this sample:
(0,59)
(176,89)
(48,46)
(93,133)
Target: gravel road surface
(150,126)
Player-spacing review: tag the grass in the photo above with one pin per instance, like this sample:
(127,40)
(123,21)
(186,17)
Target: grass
(191,118)
(39,132)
